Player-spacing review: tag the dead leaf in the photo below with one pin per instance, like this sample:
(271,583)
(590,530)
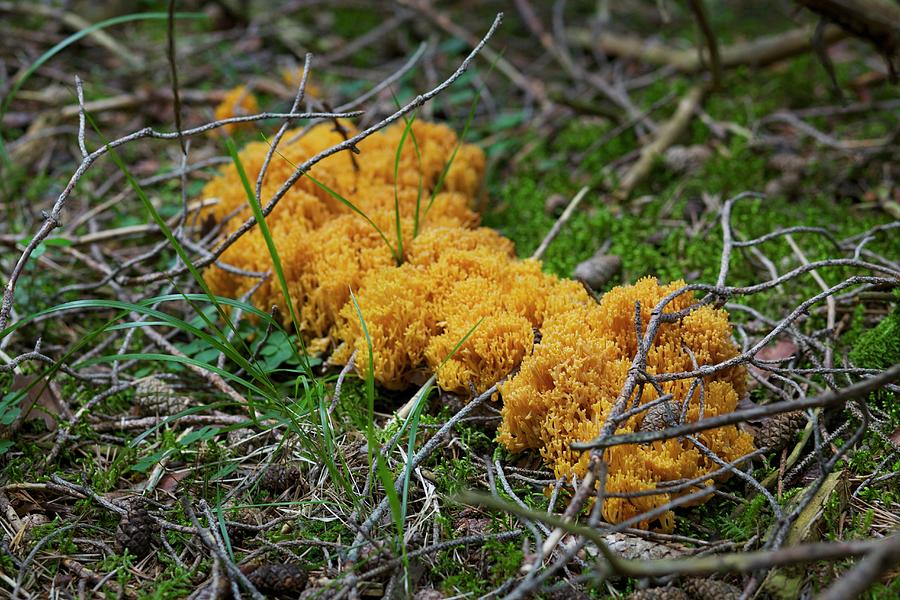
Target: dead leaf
(169,481)
(895,437)
(39,401)
(783,349)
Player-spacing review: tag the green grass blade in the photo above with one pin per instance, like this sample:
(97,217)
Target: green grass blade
(167,232)
(145,308)
(223,530)
(398,155)
(188,411)
(370,373)
(340,478)
(387,482)
(183,360)
(270,245)
(139,306)
(411,447)
(59,47)
(124,309)
(412,135)
(459,143)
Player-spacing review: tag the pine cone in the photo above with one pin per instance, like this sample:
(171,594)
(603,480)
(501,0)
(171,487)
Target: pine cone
(156,397)
(238,534)
(598,270)
(637,548)
(273,578)
(241,436)
(777,431)
(278,478)
(135,532)
(702,588)
(661,416)
(660,593)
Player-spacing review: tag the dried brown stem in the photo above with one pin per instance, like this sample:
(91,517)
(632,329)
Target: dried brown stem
(712,44)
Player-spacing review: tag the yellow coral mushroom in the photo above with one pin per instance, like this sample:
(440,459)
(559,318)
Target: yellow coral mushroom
(292,76)
(421,315)
(566,388)
(238,102)
(327,249)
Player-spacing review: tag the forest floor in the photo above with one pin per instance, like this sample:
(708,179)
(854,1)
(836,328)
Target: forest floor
(135,463)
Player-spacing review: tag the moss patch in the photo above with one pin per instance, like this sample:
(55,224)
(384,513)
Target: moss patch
(879,348)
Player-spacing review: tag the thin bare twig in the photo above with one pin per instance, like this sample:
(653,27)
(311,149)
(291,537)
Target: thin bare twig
(560,222)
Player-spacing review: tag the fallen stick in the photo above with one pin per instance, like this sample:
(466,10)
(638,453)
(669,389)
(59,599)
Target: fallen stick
(667,134)
(760,52)
(96,579)
(527,84)
(143,423)
(880,552)
(557,227)
(876,21)
(843,395)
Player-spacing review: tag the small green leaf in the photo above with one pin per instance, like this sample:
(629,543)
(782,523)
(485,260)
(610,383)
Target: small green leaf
(208,356)
(203,434)
(150,461)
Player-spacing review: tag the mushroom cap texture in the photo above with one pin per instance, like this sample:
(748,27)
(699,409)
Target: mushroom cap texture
(462,306)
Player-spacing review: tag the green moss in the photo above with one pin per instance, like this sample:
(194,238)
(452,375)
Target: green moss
(507,558)
(494,562)
(312,529)
(879,348)
(885,591)
(653,241)
(174,583)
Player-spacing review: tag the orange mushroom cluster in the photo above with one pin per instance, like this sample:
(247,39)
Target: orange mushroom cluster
(568,385)
(462,306)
